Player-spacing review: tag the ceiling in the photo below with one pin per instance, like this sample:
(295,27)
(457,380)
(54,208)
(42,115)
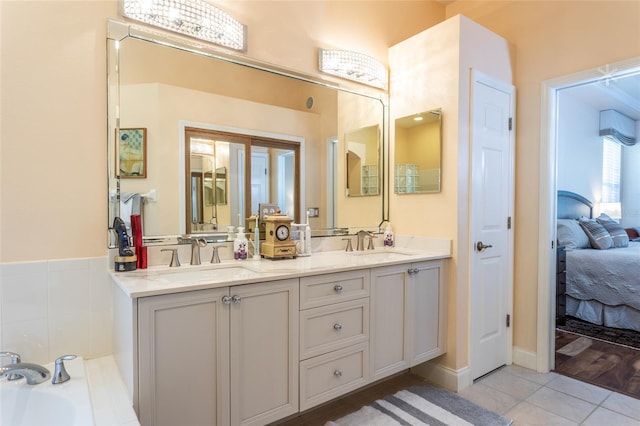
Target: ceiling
(619,93)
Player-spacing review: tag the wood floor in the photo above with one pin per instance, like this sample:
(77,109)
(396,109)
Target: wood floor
(334,410)
(598,362)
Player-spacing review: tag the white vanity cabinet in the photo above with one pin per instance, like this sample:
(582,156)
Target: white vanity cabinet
(255,351)
(223,356)
(334,335)
(407,316)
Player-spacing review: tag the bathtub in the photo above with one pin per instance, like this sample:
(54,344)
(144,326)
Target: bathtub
(95,395)
(68,403)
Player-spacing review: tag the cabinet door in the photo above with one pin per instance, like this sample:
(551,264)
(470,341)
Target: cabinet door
(264,352)
(426,312)
(388,319)
(183,359)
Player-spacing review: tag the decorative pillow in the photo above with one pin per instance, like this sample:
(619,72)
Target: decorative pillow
(598,236)
(571,235)
(618,235)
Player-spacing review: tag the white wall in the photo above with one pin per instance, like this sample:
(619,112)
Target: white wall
(630,185)
(579,148)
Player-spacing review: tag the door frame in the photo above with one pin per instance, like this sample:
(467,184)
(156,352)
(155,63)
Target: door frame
(501,85)
(545,339)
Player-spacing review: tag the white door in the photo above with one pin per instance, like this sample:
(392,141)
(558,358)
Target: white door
(491,210)
(259,179)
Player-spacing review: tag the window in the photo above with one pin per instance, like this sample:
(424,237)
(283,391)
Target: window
(611,156)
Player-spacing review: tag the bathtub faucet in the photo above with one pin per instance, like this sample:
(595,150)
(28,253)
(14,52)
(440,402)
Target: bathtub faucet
(15,358)
(34,373)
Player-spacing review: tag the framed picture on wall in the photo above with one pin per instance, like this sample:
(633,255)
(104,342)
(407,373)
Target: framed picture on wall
(132,152)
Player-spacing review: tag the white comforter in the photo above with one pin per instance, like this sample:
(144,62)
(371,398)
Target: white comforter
(608,276)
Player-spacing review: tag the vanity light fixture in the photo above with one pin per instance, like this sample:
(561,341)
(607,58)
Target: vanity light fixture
(353,66)
(202,148)
(193,18)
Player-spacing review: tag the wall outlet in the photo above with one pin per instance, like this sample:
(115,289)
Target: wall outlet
(313,211)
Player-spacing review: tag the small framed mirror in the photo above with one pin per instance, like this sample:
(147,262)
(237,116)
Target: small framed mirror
(418,153)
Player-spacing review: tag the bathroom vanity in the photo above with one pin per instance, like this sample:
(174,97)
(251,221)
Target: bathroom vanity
(251,342)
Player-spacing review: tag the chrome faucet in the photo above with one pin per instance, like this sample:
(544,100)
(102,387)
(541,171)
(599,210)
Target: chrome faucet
(215,256)
(15,359)
(196,243)
(34,373)
(361,236)
(60,375)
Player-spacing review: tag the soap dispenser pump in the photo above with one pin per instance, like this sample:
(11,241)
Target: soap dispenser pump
(240,245)
(388,236)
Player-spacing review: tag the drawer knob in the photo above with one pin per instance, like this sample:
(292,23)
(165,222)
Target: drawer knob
(337,373)
(236,299)
(226,300)
(337,288)
(337,326)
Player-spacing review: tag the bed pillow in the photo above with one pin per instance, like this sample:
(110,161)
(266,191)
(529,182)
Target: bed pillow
(571,235)
(618,235)
(598,236)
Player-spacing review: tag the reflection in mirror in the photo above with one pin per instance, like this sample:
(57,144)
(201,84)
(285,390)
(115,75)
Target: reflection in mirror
(165,84)
(418,147)
(274,178)
(363,166)
(206,196)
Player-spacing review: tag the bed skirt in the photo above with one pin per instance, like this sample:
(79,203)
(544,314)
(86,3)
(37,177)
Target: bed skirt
(595,312)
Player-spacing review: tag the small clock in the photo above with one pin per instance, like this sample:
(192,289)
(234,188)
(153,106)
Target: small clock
(282,232)
(278,242)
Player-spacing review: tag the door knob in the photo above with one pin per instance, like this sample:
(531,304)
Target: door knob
(480,246)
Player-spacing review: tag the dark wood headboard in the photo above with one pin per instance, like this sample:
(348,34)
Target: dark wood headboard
(573,206)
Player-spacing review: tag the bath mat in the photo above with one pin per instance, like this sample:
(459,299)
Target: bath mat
(422,405)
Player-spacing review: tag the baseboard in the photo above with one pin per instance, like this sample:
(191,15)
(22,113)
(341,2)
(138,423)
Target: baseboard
(440,375)
(524,358)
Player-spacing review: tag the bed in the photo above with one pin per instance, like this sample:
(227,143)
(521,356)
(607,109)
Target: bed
(602,284)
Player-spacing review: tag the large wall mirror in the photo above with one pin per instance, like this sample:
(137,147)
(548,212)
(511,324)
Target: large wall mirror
(223,135)
(418,153)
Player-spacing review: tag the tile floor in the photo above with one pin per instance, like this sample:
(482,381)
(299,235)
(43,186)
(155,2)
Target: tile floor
(530,398)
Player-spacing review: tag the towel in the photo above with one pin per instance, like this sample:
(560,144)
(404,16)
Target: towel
(130,204)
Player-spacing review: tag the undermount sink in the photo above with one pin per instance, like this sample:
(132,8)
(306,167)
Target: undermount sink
(381,254)
(217,272)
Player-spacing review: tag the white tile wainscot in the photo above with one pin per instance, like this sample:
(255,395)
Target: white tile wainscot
(309,312)
(56,307)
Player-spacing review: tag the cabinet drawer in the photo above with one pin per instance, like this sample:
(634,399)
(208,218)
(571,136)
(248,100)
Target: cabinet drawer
(332,327)
(328,376)
(330,288)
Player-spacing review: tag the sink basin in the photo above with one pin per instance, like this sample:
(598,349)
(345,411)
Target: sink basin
(211,273)
(379,255)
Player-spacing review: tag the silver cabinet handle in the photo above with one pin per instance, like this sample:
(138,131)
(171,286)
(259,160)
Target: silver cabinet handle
(337,326)
(226,300)
(236,299)
(337,373)
(480,246)
(412,271)
(337,288)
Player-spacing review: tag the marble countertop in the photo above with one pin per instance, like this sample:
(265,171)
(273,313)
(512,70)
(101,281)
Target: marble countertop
(165,280)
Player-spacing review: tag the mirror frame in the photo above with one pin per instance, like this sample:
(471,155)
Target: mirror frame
(118,31)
